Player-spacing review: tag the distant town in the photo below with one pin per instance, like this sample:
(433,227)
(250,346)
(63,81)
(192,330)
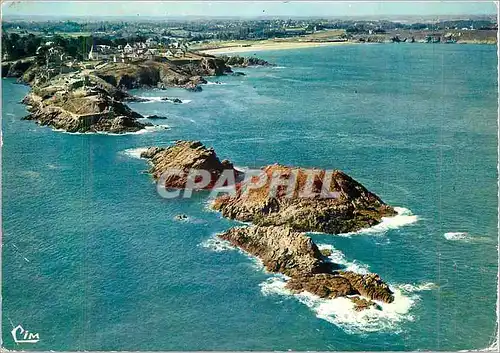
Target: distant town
(163,40)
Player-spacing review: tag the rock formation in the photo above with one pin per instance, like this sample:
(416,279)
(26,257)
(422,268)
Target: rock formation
(161,74)
(280,249)
(352,208)
(16,68)
(81,104)
(239,61)
(294,254)
(186,156)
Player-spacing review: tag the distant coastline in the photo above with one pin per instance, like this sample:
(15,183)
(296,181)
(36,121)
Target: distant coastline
(237,47)
(268,45)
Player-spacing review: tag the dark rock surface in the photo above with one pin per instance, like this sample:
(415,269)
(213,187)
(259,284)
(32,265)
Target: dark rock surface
(294,254)
(184,156)
(353,209)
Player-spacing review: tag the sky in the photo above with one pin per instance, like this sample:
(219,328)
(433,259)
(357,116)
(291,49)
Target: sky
(243,8)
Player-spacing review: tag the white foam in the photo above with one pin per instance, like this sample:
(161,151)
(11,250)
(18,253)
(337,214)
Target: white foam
(146,129)
(279,67)
(217,244)
(162,99)
(412,288)
(340,311)
(454,236)
(134,152)
(337,257)
(216,83)
(403,218)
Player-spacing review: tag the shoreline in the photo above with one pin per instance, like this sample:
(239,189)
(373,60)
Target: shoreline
(268,46)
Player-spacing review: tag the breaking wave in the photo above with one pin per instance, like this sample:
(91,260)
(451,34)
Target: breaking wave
(454,236)
(216,83)
(134,152)
(162,99)
(412,288)
(341,311)
(403,218)
(217,244)
(338,257)
(146,130)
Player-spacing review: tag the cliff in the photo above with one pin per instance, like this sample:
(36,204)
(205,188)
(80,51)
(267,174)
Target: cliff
(353,208)
(161,74)
(239,61)
(279,214)
(16,68)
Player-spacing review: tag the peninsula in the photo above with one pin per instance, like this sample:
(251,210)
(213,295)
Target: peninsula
(78,96)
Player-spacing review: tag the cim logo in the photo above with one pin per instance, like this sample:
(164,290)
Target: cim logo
(21,335)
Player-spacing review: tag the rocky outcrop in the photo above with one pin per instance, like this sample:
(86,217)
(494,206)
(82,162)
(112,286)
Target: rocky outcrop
(186,156)
(294,254)
(76,103)
(162,74)
(280,249)
(341,284)
(352,208)
(16,68)
(154,116)
(239,61)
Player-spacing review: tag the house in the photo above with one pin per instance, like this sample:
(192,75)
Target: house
(167,53)
(128,49)
(151,43)
(179,53)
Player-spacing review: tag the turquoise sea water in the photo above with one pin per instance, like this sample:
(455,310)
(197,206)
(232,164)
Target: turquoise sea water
(94,260)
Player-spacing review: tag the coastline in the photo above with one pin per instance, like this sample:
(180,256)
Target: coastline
(271,45)
(262,46)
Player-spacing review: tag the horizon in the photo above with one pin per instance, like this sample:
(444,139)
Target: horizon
(245,10)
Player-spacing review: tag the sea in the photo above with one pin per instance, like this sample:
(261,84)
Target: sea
(94,259)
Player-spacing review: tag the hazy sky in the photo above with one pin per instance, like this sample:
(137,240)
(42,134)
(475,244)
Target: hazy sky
(242,8)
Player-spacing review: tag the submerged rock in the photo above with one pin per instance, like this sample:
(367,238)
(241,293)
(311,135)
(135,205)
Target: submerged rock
(154,116)
(173,100)
(193,87)
(181,217)
(352,208)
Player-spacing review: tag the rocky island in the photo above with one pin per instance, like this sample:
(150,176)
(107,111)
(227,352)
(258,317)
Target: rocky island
(186,156)
(277,236)
(294,254)
(353,208)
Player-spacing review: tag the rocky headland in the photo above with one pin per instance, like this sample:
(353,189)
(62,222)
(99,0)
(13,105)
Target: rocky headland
(81,103)
(276,236)
(80,97)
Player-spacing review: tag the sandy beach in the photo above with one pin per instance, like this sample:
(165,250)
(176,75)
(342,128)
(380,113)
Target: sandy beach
(270,45)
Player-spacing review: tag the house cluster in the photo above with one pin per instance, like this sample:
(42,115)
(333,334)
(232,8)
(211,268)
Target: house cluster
(150,49)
